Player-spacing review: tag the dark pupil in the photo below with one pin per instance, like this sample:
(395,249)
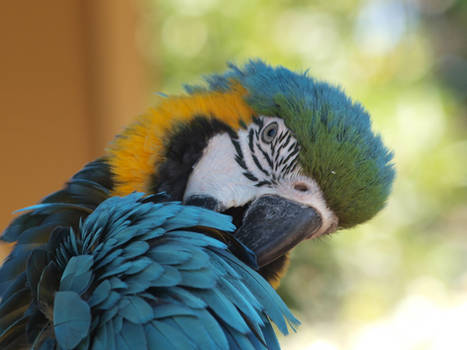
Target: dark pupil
(271,132)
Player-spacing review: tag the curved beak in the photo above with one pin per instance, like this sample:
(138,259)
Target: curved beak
(273,225)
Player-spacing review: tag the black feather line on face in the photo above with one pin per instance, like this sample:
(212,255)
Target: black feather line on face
(250,141)
(282,136)
(290,167)
(283,145)
(263,183)
(241,162)
(266,156)
(290,155)
(258,121)
(250,176)
(273,147)
(258,165)
(184,148)
(239,154)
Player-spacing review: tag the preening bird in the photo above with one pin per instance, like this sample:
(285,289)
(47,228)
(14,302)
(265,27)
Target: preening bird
(286,156)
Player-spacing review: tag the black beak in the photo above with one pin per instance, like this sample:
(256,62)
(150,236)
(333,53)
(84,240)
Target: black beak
(273,225)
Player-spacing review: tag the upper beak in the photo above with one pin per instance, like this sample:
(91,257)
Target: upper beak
(273,225)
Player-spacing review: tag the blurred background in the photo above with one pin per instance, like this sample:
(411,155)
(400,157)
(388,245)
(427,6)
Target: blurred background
(73,73)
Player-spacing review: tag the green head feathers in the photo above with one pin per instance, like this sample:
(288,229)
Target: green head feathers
(338,148)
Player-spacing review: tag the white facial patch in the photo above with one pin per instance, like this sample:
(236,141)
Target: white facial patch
(218,175)
(262,159)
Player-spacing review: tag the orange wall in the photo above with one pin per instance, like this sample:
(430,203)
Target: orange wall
(70,77)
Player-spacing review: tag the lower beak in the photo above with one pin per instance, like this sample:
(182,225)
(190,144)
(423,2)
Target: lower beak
(273,225)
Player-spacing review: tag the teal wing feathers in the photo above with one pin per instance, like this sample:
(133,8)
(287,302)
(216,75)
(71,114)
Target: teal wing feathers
(139,275)
(66,207)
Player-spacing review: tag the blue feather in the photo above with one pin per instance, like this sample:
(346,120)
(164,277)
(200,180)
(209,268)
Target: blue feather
(48,208)
(170,254)
(72,319)
(135,309)
(187,298)
(195,330)
(170,277)
(224,309)
(198,260)
(135,249)
(133,276)
(138,283)
(203,278)
(157,339)
(169,310)
(117,283)
(176,336)
(101,293)
(77,275)
(138,265)
(214,329)
(111,301)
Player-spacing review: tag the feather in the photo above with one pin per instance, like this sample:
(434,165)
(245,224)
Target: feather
(224,309)
(135,249)
(202,278)
(195,330)
(169,310)
(214,329)
(133,336)
(176,336)
(157,339)
(14,337)
(170,254)
(135,309)
(113,298)
(37,261)
(72,319)
(132,275)
(170,277)
(101,293)
(66,207)
(77,275)
(13,308)
(46,288)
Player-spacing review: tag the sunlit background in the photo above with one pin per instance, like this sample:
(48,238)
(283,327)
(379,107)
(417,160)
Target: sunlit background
(398,282)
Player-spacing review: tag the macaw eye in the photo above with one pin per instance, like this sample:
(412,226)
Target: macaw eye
(269,132)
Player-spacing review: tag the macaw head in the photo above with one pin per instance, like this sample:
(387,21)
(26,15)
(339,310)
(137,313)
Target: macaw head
(288,157)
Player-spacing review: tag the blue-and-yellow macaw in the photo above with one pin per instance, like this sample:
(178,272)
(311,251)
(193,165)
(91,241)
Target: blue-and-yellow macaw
(286,156)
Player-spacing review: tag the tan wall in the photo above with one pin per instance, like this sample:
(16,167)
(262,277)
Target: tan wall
(70,78)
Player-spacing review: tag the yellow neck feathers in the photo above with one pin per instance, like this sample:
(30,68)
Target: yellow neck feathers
(133,155)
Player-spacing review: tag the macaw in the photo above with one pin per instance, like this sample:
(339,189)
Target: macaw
(288,157)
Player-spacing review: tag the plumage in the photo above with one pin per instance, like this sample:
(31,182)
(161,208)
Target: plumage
(63,208)
(285,156)
(141,299)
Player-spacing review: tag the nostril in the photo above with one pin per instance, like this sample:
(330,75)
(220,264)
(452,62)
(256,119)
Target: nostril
(300,186)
